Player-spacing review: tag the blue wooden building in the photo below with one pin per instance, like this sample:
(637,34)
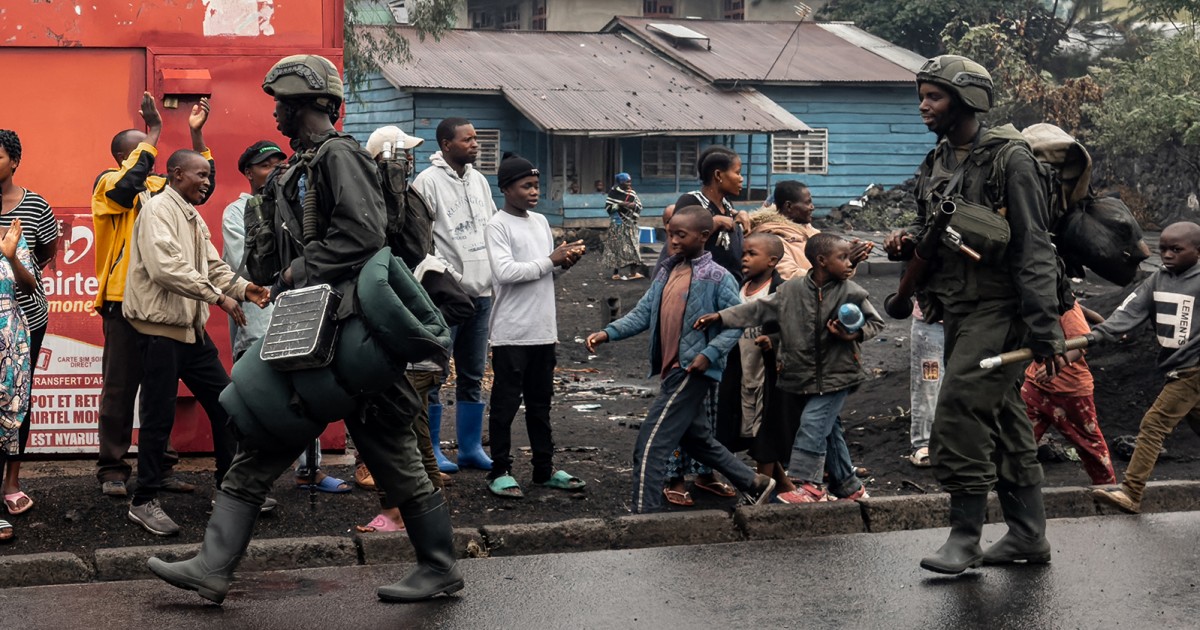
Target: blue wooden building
(585,106)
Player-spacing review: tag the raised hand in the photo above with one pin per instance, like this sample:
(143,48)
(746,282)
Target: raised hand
(12,237)
(149,112)
(199,115)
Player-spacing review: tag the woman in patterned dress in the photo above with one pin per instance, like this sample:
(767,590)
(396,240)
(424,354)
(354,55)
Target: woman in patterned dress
(15,374)
(621,252)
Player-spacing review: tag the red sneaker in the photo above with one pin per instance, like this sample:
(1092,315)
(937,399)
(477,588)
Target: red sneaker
(861,493)
(805,493)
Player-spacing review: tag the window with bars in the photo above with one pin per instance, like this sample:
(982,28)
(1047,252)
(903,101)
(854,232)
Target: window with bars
(665,157)
(735,9)
(488,160)
(539,15)
(658,8)
(801,153)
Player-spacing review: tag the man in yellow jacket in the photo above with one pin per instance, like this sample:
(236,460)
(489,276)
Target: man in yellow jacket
(118,195)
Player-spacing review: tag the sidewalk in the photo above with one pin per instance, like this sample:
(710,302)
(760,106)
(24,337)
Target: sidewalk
(759,523)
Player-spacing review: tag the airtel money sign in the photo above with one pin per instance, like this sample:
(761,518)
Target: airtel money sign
(66,385)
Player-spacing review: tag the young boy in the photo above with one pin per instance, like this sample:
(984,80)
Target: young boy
(523,328)
(688,360)
(1066,403)
(762,419)
(1168,298)
(819,370)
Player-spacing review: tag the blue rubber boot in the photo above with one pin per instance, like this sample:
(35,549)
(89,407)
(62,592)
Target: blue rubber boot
(435,434)
(469,426)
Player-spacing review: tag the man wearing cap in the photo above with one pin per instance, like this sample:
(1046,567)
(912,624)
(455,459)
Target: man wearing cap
(981,436)
(255,163)
(330,182)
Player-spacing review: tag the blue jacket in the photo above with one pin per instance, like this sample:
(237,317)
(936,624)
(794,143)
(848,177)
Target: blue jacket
(712,289)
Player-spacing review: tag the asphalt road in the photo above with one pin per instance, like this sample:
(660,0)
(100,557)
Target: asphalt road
(1107,572)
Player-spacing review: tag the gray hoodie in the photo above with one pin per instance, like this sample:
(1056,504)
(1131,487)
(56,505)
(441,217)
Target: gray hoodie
(1170,300)
(462,207)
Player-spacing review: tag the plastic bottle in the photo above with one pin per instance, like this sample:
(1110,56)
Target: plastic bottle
(851,317)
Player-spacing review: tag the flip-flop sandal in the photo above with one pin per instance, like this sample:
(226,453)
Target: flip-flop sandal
(6,532)
(920,457)
(380,523)
(562,480)
(506,487)
(332,485)
(13,503)
(678,497)
(718,488)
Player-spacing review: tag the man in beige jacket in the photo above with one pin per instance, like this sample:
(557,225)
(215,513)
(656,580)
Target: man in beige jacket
(175,273)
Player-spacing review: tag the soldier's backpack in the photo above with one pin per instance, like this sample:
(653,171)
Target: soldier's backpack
(408,231)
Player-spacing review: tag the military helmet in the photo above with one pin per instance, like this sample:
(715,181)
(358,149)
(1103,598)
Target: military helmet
(965,78)
(304,76)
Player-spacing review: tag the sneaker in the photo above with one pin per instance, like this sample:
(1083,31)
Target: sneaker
(760,492)
(1119,498)
(152,517)
(175,484)
(805,493)
(114,489)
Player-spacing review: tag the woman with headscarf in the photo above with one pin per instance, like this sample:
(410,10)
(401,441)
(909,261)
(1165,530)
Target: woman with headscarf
(621,241)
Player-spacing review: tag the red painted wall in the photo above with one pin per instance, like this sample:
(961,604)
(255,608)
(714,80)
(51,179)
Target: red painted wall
(82,69)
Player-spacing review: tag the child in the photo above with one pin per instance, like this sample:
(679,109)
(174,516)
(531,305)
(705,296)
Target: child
(523,329)
(688,360)
(818,370)
(1167,298)
(1065,401)
(762,418)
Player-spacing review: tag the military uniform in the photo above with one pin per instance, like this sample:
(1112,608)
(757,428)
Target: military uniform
(981,436)
(328,245)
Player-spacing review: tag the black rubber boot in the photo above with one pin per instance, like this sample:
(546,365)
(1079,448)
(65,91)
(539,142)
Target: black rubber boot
(225,541)
(428,523)
(1026,537)
(961,551)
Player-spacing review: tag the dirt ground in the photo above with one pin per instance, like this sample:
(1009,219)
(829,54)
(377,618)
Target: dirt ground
(600,402)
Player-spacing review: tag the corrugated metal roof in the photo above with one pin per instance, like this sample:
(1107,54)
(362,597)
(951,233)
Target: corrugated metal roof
(584,83)
(901,56)
(772,52)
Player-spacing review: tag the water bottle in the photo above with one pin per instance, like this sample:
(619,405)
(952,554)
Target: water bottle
(851,317)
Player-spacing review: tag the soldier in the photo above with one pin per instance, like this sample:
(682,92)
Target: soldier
(981,437)
(349,230)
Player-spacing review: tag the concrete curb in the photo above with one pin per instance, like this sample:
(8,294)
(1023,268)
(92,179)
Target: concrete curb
(768,522)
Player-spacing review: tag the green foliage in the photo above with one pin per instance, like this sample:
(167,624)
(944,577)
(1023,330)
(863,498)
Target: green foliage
(918,24)
(365,50)
(1151,102)
(1024,94)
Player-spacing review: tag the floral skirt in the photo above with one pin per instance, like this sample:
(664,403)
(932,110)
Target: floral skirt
(621,245)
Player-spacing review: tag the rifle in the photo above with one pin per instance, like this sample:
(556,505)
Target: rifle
(899,305)
(1025,354)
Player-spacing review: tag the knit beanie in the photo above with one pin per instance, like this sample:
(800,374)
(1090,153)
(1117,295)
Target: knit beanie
(514,167)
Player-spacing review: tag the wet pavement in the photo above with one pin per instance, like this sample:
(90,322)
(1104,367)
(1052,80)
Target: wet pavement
(1110,572)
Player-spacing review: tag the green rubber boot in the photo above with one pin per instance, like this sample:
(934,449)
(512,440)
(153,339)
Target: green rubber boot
(428,523)
(210,572)
(961,550)
(1026,537)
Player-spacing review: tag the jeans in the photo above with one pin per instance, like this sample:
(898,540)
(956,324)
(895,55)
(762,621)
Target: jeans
(470,346)
(166,362)
(677,418)
(522,372)
(820,445)
(925,376)
(1179,399)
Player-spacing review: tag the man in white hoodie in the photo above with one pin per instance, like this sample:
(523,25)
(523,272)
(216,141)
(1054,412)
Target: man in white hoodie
(461,200)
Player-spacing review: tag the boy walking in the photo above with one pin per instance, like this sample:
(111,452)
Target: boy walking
(1168,298)
(820,369)
(687,359)
(524,329)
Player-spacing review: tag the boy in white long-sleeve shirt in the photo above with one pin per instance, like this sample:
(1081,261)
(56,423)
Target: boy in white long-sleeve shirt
(523,328)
